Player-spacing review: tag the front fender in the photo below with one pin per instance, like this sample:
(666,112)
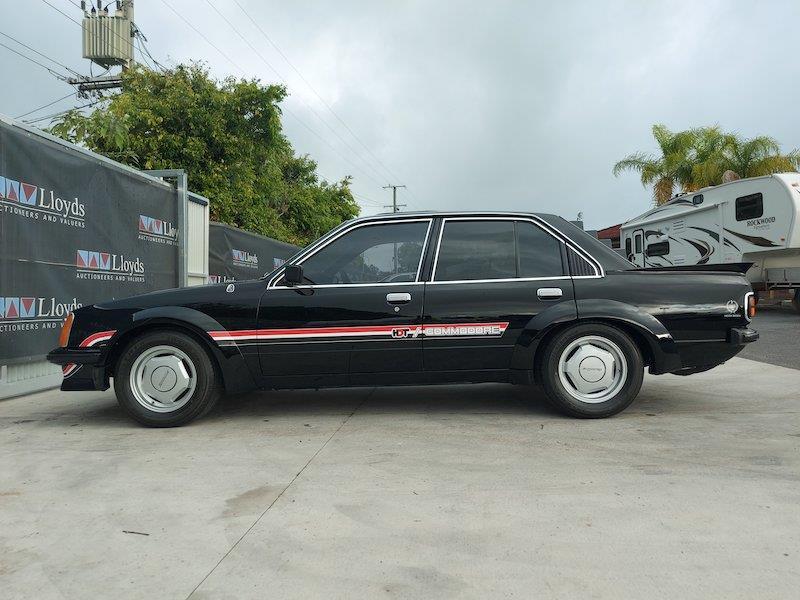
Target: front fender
(236,374)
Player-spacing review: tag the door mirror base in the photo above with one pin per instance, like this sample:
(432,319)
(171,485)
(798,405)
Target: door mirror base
(293,275)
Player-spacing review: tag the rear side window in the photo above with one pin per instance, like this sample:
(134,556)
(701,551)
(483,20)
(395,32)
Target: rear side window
(495,249)
(658,248)
(539,252)
(749,207)
(476,250)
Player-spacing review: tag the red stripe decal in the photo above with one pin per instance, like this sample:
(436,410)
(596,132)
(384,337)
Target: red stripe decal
(96,338)
(394,331)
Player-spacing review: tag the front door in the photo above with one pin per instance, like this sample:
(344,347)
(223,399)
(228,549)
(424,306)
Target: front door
(358,314)
(490,278)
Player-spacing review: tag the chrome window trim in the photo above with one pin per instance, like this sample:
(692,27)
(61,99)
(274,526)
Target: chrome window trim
(325,242)
(546,227)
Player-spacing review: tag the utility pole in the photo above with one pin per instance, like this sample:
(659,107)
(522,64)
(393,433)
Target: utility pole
(395,208)
(394,205)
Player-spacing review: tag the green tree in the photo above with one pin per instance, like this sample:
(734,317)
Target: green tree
(700,157)
(227,135)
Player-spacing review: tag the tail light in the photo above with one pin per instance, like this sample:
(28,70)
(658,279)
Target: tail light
(750,302)
(63,338)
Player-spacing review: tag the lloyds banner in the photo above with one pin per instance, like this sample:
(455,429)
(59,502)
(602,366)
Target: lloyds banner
(236,255)
(74,230)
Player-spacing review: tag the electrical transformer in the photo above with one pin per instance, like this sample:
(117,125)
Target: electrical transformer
(108,39)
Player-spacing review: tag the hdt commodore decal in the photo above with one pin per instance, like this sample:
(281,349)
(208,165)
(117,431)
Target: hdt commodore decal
(367,332)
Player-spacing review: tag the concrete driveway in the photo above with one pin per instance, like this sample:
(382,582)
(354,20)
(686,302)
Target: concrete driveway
(410,493)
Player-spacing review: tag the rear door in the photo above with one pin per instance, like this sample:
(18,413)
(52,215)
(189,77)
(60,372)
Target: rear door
(359,313)
(490,277)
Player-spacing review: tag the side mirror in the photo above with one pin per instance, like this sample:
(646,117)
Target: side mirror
(293,275)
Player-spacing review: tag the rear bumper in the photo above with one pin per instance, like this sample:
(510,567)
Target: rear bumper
(739,336)
(696,357)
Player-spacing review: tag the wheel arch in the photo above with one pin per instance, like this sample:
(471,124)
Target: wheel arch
(232,366)
(648,333)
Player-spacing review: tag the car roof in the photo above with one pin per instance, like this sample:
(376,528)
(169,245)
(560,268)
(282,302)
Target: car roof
(442,213)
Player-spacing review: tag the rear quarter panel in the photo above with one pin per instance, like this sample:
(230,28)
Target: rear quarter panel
(692,306)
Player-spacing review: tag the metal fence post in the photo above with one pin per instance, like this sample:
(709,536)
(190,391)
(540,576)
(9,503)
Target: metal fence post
(181,185)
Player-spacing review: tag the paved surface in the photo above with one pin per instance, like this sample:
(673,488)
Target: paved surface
(410,493)
(780,337)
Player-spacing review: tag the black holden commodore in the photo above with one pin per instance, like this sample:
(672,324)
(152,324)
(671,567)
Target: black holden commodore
(417,298)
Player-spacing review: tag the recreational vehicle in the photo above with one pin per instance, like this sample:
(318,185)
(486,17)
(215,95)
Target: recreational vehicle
(748,220)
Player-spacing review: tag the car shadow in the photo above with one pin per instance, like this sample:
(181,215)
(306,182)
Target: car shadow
(440,399)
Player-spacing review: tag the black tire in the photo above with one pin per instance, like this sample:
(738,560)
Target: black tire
(547,372)
(207,384)
(796,300)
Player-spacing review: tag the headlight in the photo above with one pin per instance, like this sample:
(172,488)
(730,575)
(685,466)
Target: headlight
(63,338)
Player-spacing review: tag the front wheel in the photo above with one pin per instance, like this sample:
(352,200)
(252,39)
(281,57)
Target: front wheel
(591,371)
(166,379)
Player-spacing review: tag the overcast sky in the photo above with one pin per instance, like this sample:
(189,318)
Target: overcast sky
(472,105)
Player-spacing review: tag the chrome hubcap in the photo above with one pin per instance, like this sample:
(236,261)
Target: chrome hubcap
(163,378)
(592,369)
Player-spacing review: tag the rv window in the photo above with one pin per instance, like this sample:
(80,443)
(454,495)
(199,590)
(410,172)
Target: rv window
(698,199)
(627,246)
(658,248)
(749,207)
(637,239)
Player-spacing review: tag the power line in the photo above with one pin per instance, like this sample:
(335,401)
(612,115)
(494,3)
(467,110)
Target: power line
(34,50)
(62,12)
(63,112)
(311,87)
(45,106)
(283,79)
(36,62)
(288,111)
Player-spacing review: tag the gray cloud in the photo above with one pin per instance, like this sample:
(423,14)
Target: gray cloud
(502,105)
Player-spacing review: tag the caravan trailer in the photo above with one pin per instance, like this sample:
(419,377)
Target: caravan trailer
(748,220)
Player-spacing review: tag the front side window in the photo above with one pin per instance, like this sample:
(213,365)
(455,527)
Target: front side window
(379,253)
(475,250)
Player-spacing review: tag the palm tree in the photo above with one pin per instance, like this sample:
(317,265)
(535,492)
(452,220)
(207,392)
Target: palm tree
(744,158)
(701,157)
(666,172)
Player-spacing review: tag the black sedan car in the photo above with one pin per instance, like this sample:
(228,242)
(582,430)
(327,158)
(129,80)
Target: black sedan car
(417,298)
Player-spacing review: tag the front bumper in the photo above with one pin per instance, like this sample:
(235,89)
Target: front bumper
(83,368)
(77,356)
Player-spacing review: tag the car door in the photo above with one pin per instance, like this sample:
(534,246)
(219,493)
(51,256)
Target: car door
(360,312)
(490,277)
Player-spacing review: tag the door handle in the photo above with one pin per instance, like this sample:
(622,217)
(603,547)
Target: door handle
(398,298)
(549,293)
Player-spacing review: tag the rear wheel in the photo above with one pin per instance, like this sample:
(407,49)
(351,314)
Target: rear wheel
(591,371)
(166,379)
